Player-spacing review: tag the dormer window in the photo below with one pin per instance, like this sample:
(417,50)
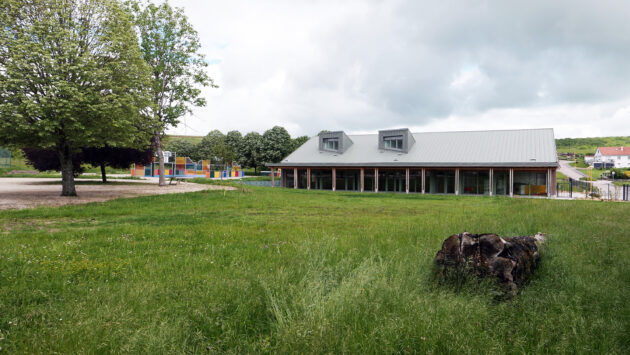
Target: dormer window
(400,140)
(331,144)
(334,142)
(393,142)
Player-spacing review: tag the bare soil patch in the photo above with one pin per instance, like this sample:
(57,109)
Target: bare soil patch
(20,193)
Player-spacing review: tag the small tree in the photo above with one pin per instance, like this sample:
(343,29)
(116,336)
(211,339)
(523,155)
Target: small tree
(171,47)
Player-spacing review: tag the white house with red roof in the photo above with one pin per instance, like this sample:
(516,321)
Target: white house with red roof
(620,156)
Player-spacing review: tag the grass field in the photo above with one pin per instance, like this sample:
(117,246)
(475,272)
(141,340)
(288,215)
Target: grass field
(277,271)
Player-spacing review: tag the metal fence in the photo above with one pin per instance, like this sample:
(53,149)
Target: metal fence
(5,158)
(577,189)
(585,189)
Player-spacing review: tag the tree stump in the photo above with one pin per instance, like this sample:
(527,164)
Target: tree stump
(511,260)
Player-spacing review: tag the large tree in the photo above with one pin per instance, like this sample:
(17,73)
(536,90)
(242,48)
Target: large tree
(183,148)
(71,73)
(171,47)
(213,146)
(234,142)
(251,151)
(276,144)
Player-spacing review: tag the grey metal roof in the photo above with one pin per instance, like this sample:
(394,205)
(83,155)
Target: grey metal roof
(509,148)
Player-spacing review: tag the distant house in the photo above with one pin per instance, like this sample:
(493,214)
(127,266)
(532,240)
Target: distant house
(619,156)
(589,159)
(506,162)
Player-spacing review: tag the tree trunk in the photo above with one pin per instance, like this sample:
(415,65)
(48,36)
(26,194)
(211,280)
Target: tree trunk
(158,148)
(67,172)
(103,175)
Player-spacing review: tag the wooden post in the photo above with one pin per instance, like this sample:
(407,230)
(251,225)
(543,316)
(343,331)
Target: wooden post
(362,179)
(456,181)
(548,187)
(308,178)
(423,179)
(511,182)
(272,177)
(334,179)
(407,180)
(491,181)
(376,180)
(295,179)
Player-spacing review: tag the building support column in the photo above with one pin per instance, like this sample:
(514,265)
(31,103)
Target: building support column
(548,187)
(491,182)
(423,179)
(308,178)
(407,180)
(376,180)
(362,179)
(283,178)
(334,178)
(272,177)
(511,182)
(456,181)
(554,182)
(295,178)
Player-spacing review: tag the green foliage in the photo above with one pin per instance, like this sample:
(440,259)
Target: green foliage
(297,142)
(213,147)
(589,145)
(263,270)
(170,45)
(251,152)
(72,76)
(234,143)
(276,144)
(184,148)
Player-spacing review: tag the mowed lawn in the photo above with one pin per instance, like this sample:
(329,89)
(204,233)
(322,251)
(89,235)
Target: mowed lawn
(276,271)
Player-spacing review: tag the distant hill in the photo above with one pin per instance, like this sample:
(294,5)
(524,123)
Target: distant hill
(589,145)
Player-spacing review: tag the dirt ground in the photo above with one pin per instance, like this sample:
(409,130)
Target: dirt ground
(20,193)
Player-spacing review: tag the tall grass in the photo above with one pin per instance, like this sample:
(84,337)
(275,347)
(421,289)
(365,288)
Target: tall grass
(275,271)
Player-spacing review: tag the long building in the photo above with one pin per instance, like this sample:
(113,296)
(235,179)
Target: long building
(501,162)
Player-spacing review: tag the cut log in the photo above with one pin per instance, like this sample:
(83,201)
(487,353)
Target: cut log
(511,260)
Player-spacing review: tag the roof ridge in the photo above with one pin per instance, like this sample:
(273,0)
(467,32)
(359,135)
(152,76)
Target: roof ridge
(465,131)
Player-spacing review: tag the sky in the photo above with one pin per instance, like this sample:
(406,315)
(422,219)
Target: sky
(361,66)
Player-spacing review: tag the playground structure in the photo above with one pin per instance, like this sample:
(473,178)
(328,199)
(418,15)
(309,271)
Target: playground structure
(5,158)
(184,167)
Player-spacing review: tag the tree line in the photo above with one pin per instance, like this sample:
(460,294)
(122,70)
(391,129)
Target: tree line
(252,150)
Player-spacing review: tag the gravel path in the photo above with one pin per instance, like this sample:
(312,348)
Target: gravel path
(20,193)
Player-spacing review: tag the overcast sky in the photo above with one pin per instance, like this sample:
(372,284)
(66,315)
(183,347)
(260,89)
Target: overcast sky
(361,66)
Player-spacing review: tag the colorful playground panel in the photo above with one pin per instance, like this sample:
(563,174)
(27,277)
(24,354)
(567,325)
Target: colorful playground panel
(184,169)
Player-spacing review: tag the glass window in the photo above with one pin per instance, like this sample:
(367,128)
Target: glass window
(393,142)
(474,182)
(321,179)
(348,180)
(440,181)
(530,183)
(415,180)
(331,143)
(391,180)
(501,180)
